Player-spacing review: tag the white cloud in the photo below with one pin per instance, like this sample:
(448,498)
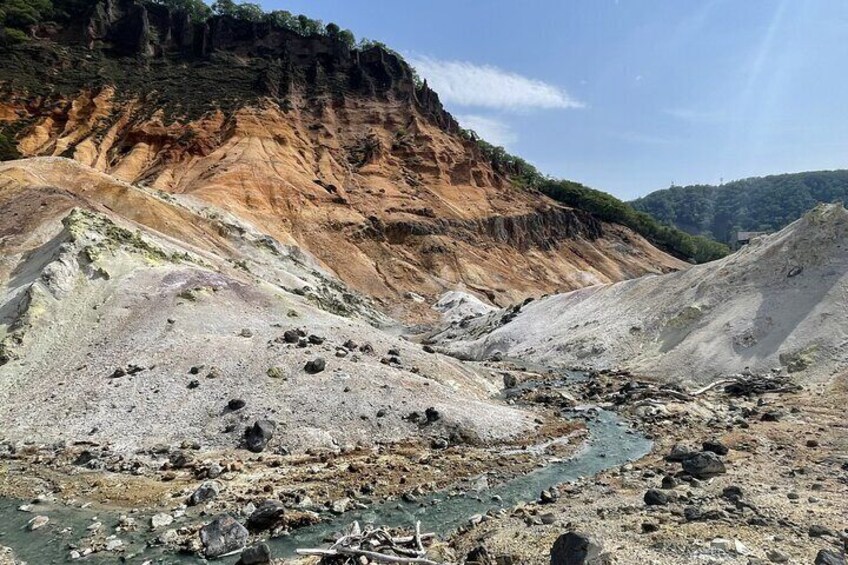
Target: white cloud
(695,116)
(485,86)
(492,130)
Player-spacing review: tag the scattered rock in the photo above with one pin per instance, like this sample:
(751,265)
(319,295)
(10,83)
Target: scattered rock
(161,520)
(549,496)
(255,555)
(777,556)
(236,404)
(678,453)
(204,493)
(266,515)
(276,373)
(257,436)
(315,366)
(704,465)
(575,548)
(654,497)
(829,557)
(37,522)
(715,446)
(222,535)
(291,336)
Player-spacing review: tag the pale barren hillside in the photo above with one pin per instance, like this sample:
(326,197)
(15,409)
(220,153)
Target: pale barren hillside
(780,302)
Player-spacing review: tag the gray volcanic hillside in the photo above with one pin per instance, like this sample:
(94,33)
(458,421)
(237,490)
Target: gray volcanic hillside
(779,302)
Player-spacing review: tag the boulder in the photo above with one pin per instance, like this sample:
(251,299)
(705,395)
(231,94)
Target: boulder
(704,465)
(266,516)
(255,555)
(678,453)
(257,436)
(223,535)
(38,522)
(161,520)
(829,557)
(656,497)
(204,493)
(575,548)
(716,447)
(315,366)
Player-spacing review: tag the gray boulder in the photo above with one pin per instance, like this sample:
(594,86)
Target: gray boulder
(223,535)
(575,548)
(266,515)
(257,436)
(829,557)
(704,465)
(204,493)
(255,555)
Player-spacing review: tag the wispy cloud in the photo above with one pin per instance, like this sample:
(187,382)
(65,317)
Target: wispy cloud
(492,130)
(484,86)
(696,116)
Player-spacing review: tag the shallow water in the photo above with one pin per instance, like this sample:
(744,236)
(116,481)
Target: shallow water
(610,444)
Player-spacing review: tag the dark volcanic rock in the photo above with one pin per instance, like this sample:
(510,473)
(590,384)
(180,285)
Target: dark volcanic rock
(257,436)
(679,453)
(223,535)
(829,557)
(716,447)
(315,366)
(704,465)
(266,516)
(236,404)
(255,555)
(204,493)
(655,497)
(575,548)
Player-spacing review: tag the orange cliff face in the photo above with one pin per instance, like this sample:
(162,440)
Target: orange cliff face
(378,185)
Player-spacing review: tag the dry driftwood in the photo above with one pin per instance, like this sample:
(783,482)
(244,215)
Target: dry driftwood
(375,545)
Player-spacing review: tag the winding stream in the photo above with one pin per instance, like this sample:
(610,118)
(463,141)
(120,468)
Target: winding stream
(610,444)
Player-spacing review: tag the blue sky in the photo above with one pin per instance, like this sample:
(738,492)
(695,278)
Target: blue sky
(629,96)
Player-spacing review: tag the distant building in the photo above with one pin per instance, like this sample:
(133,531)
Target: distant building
(745,237)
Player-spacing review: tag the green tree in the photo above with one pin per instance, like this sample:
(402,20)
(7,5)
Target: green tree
(18,16)
(196,9)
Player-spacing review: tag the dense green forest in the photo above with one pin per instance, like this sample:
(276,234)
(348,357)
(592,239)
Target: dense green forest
(18,16)
(754,204)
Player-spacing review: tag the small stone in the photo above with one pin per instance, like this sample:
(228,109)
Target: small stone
(704,465)
(829,557)
(276,373)
(257,436)
(246,332)
(114,545)
(38,522)
(777,556)
(654,497)
(668,482)
(222,535)
(576,548)
(340,506)
(715,446)
(204,493)
(255,555)
(266,515)
(236,404)
(161,520)
(315,366)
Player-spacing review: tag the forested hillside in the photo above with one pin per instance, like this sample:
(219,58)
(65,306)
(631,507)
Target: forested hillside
(755,204)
